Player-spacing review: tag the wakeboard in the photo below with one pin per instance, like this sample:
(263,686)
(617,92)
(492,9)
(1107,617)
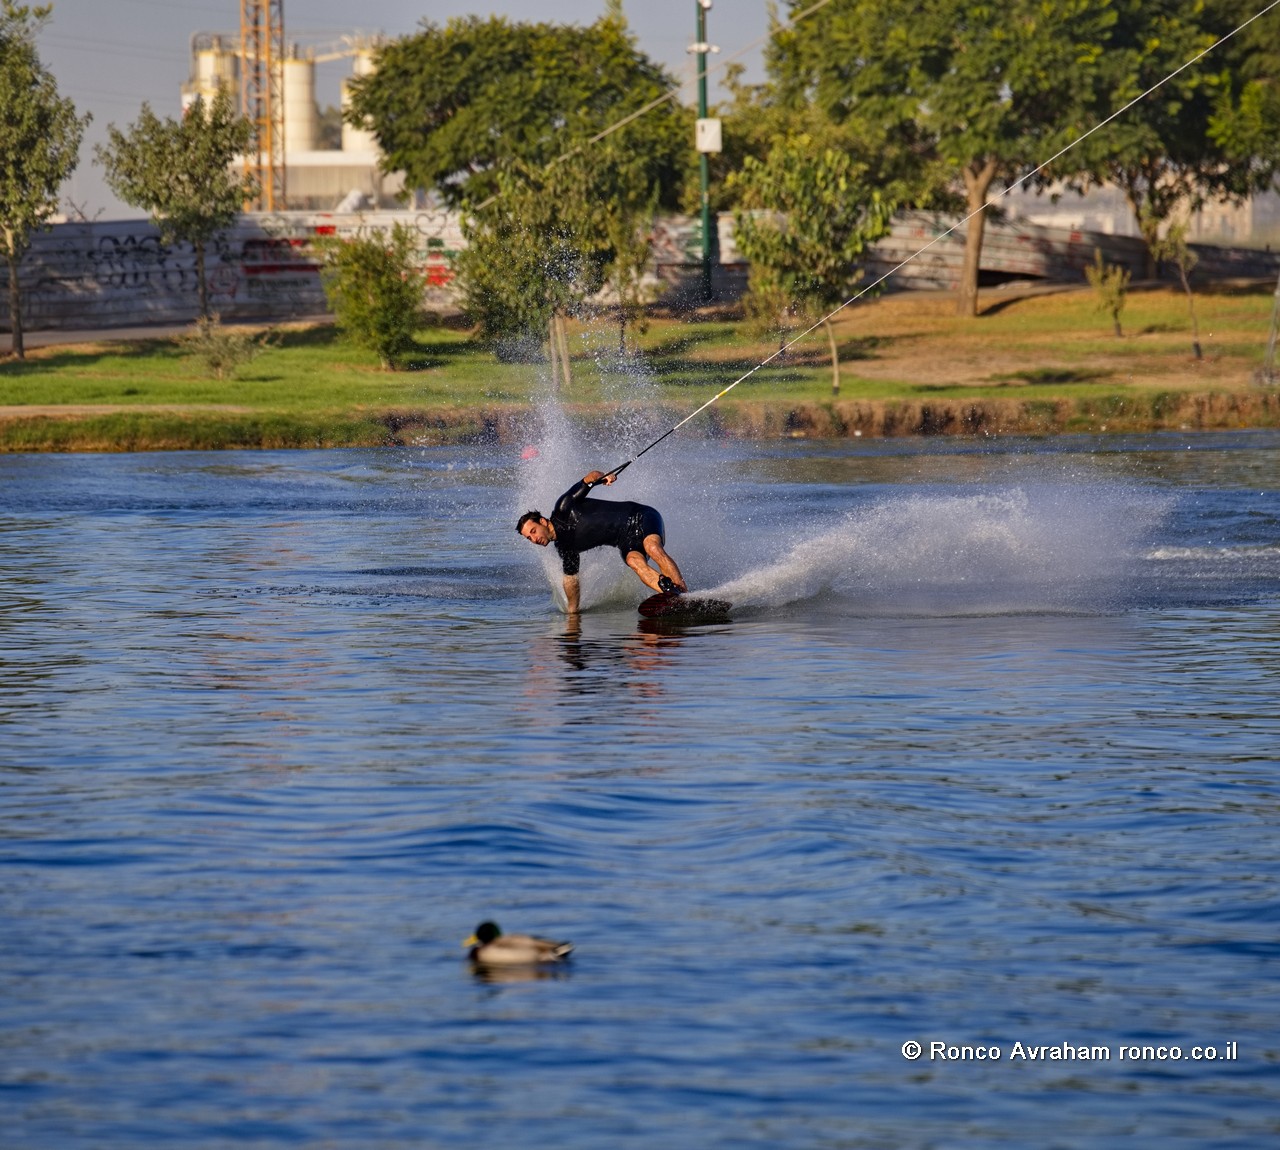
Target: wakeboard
(685,608)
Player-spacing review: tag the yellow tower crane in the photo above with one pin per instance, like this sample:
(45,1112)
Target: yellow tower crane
(262,98)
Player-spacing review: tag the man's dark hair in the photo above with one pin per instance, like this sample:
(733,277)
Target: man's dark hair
(525,519)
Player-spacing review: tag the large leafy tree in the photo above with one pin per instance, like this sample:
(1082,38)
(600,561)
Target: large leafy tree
(1253,128)
(983,90)
(40,137)
(181,172)
(454,106)
(1209,132)
(559,142)
(814,216)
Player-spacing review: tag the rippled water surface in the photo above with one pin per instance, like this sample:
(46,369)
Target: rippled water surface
(987,756)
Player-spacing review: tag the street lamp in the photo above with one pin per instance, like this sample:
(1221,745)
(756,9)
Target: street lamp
(707,140)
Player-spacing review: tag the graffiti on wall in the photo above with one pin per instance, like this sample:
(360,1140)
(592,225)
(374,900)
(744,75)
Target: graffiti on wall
(267,267)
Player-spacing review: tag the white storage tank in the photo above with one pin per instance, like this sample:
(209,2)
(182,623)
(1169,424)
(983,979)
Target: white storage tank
(301,116)
(357,139)
(214,65)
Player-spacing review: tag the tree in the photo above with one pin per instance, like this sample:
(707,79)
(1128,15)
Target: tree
(40,137)
(1266,374)
(1253,129)
(631,240)
(549,240)
(815,215)
(533,255)
(1208,133)
(454,107)
(982,89)
(1111,284)
(1172,246)
(374,286)
(517,123)
(181,172)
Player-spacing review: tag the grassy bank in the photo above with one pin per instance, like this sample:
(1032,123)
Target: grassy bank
(1030,364)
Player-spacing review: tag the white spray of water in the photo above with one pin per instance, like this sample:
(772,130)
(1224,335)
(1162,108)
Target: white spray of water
(689,498)
(1062,544)
(1018,549)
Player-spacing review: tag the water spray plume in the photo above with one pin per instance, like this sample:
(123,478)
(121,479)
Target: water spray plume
(1033,546)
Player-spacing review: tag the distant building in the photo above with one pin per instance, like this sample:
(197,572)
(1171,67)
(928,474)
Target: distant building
(348,177)
(1253,223)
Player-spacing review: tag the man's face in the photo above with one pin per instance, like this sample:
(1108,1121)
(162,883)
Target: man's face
(536,531)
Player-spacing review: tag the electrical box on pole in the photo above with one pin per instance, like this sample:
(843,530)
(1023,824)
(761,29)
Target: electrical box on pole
(707,136)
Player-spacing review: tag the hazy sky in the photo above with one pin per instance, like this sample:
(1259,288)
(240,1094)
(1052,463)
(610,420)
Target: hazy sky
(110,55)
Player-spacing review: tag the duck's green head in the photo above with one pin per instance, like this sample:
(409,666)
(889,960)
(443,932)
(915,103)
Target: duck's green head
(485,933)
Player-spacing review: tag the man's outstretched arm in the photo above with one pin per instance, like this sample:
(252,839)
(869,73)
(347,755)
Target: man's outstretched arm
(571,589)
(579,491)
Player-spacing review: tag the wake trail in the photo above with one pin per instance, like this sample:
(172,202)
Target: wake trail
(1023,548)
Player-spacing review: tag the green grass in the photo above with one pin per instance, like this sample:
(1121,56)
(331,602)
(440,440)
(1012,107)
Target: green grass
(313,389)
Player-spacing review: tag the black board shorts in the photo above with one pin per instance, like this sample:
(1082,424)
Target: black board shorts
(641,524)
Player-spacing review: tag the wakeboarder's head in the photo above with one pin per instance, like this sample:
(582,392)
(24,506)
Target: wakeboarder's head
(535,529)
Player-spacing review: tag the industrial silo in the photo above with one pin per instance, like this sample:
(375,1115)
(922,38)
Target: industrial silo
(301,116)
(215,64)
(357,139)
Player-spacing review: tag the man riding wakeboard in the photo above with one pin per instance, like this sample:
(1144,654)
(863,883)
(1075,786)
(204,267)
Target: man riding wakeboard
(578,524)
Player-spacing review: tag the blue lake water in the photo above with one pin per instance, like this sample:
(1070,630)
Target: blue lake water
(987,756)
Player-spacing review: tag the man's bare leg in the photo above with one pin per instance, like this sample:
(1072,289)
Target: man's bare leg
(646,574)
(654,549)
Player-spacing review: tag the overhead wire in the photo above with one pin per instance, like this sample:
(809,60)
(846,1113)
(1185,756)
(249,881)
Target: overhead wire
(949,231)
(667,97)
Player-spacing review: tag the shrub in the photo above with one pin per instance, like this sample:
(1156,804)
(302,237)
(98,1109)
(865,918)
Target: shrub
(374,286)
(1111,283)
(223,351)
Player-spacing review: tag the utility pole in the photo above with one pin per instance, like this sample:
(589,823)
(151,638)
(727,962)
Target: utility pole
(708,140)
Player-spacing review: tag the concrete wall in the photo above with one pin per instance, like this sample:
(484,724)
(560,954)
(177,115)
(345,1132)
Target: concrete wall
(1011,251)
(119,273)
(1019,250)
(106,274)
(1253,222)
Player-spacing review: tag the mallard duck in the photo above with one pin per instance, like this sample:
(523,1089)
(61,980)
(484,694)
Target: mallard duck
(490,947)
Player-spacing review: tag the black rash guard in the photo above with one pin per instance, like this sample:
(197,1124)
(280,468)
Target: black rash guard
(583,523)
